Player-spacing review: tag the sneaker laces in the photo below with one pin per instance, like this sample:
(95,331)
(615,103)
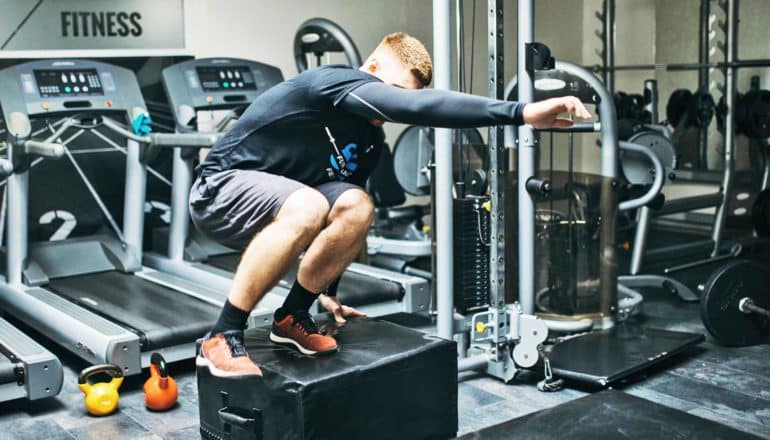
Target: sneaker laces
(235,342)
(305,321)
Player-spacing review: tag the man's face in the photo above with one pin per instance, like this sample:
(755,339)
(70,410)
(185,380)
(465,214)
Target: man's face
(392,71)
(385,66)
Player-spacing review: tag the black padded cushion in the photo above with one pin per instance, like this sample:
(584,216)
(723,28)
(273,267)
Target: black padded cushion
(386,382)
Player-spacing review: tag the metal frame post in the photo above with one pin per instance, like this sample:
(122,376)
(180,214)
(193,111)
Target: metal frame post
(497,178)
(443,152)
(526,165)
(703,77)
(133,205)
(182,175)
(608,56)
(17,187)
(727,181)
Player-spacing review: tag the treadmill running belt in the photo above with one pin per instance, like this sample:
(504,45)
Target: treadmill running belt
(354,290)
(163,316)
(6,370)
(609,414)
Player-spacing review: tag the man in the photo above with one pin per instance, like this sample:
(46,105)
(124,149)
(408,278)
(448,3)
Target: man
(288,178)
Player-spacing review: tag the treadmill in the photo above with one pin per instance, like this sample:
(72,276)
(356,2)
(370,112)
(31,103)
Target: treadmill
(27,369)
(195,89)
(91,294)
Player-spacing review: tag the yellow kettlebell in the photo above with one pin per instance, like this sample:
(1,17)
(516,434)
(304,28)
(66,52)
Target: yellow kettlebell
(102,397)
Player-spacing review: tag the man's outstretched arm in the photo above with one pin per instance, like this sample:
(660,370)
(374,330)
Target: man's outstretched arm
(442,108)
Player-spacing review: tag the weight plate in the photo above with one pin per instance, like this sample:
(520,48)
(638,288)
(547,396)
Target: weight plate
(723,292)
(636,167)
(413,152)
(752,114)
(319,36)
(760,213)
(678,106)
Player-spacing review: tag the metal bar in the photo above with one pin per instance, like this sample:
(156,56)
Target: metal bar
(738,64)
(686,204)
(525,166)
(640,240)
(609,44)
(133,205)
(182,172)
(16,248)
(703,78)
(577,127)
(734,252)
(729,165)
(460,43)
(471,363)
(443,151)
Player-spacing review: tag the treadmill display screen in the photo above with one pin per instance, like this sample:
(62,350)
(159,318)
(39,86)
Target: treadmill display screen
(79,82)
(220,79)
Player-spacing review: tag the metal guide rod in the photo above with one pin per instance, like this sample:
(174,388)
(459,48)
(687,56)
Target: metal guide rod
(443,151)
(525,165)
(609,44)
(729,166)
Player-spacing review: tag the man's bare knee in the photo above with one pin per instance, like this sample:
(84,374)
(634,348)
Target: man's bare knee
(355,208)
(305,211)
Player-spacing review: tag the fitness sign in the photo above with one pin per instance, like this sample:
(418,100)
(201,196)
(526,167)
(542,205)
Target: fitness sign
(103,24)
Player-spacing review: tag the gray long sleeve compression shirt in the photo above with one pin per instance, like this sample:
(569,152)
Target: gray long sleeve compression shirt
(430,107)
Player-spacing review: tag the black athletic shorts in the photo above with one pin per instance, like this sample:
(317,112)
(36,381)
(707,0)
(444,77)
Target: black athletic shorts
(232,206)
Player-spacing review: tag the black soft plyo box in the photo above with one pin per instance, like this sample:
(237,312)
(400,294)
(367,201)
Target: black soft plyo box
(386,382)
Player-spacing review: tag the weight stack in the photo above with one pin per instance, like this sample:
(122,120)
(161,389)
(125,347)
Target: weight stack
(471,253)
(386,382)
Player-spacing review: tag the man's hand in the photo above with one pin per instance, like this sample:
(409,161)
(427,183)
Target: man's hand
(544,114)
(340,312)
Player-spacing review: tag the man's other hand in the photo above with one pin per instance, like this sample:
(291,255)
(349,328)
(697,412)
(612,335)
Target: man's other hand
(340,312)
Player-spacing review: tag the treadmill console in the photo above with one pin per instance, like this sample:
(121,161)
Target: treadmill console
(215,83)
(51,82)
(39,88)
(217,78)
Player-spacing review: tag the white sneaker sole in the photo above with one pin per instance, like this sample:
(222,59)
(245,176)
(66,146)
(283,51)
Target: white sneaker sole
(201,361)
(288,341)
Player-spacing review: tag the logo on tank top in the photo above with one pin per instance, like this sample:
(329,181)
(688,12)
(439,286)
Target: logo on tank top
(343,162)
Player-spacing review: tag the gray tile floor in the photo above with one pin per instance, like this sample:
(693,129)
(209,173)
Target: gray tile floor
(728,385)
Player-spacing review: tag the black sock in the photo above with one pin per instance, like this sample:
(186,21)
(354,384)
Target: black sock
(298,298)
(332,289)
(231,318)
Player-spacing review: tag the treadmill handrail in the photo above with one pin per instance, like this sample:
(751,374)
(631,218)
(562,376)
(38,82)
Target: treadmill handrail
(52,150)
(6,168)
(190,140)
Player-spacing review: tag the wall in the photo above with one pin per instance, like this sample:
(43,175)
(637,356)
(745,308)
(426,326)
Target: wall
(265,30)
(647,31)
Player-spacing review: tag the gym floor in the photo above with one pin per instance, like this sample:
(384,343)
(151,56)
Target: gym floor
(727,385)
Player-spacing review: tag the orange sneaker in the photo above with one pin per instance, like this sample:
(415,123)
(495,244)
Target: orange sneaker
(298,330)
(225,355)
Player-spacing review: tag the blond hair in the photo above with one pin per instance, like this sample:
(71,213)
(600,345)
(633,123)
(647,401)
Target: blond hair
(412,53)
